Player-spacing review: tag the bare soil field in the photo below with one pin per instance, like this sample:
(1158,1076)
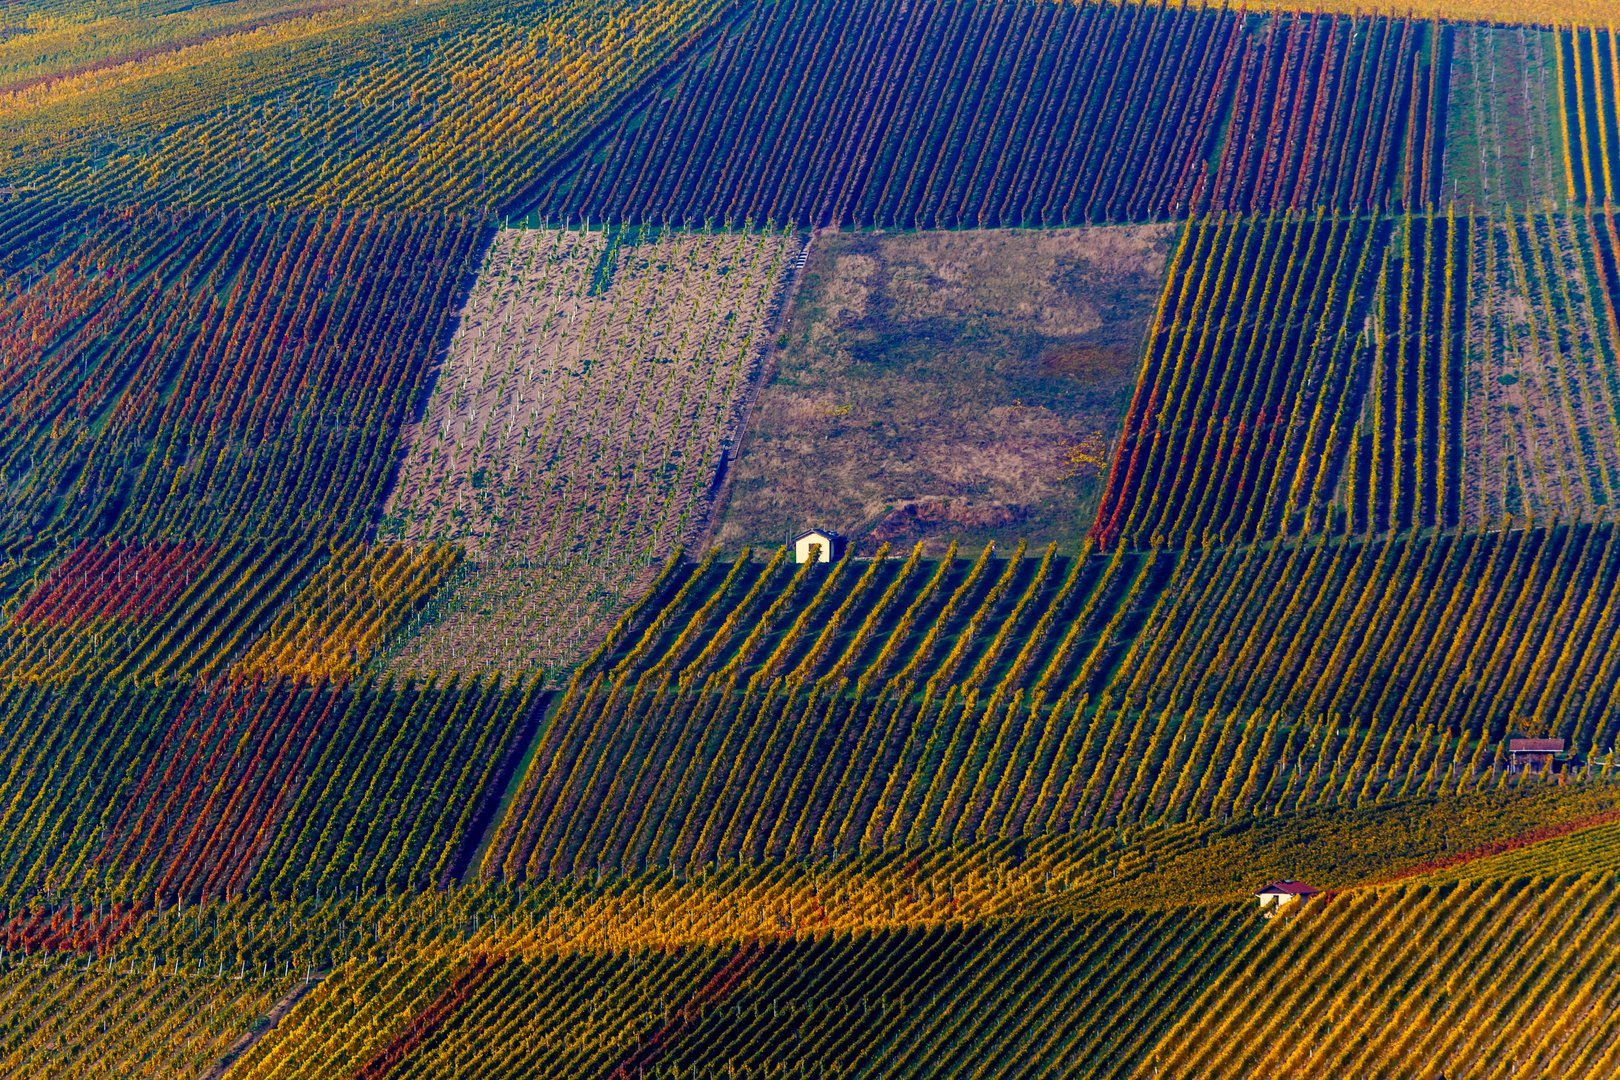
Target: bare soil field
(950,384)
(576,431)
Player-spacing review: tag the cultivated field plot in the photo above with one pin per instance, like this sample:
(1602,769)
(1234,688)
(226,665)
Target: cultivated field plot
(1589,84)
(766,710)
(1505,127)
(809,1007)
(1588,845)
(1257,360)
(208,374)
(965,113)
(126,1017)
(1460,978)
(1541,425)
(762,713)
(1488,633)
(446,104)
(208,791)
(1404,464)
(574,436)
(516,616)
(163,611)
(435,1013)
(1345,114)
(1466,366)
(961,385)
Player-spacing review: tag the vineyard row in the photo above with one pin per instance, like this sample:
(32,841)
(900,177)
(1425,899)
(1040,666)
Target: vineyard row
(1492,634)
(267,789)
(1454,980)
(759,712)
(457,106)
(962,113)
(214,375)
(1309,374)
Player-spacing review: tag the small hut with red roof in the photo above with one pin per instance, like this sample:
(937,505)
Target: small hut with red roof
(1533,754)
(1280,894)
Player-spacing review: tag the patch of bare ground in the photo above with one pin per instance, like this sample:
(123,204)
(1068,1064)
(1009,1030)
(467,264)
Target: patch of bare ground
(948,384)
(575,435)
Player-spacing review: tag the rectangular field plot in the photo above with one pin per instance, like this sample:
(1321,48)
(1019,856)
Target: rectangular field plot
(1504,127)
(1541,426)
(1488,633)
(201,791)
(574,436)
(931,386)
(800,1007)
(1589,85)
(215,375)
(966,113)
(1256,359)
(420,106)
(1370,375)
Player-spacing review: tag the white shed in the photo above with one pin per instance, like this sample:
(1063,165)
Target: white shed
(817,545)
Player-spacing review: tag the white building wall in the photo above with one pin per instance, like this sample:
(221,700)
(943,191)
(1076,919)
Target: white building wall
(802,546)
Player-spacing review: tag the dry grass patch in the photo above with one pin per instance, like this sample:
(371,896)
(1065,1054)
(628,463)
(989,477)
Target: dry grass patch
(949,383)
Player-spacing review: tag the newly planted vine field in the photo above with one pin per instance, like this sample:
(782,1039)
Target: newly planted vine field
(594,387)
(1542,408)
(1504,132)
